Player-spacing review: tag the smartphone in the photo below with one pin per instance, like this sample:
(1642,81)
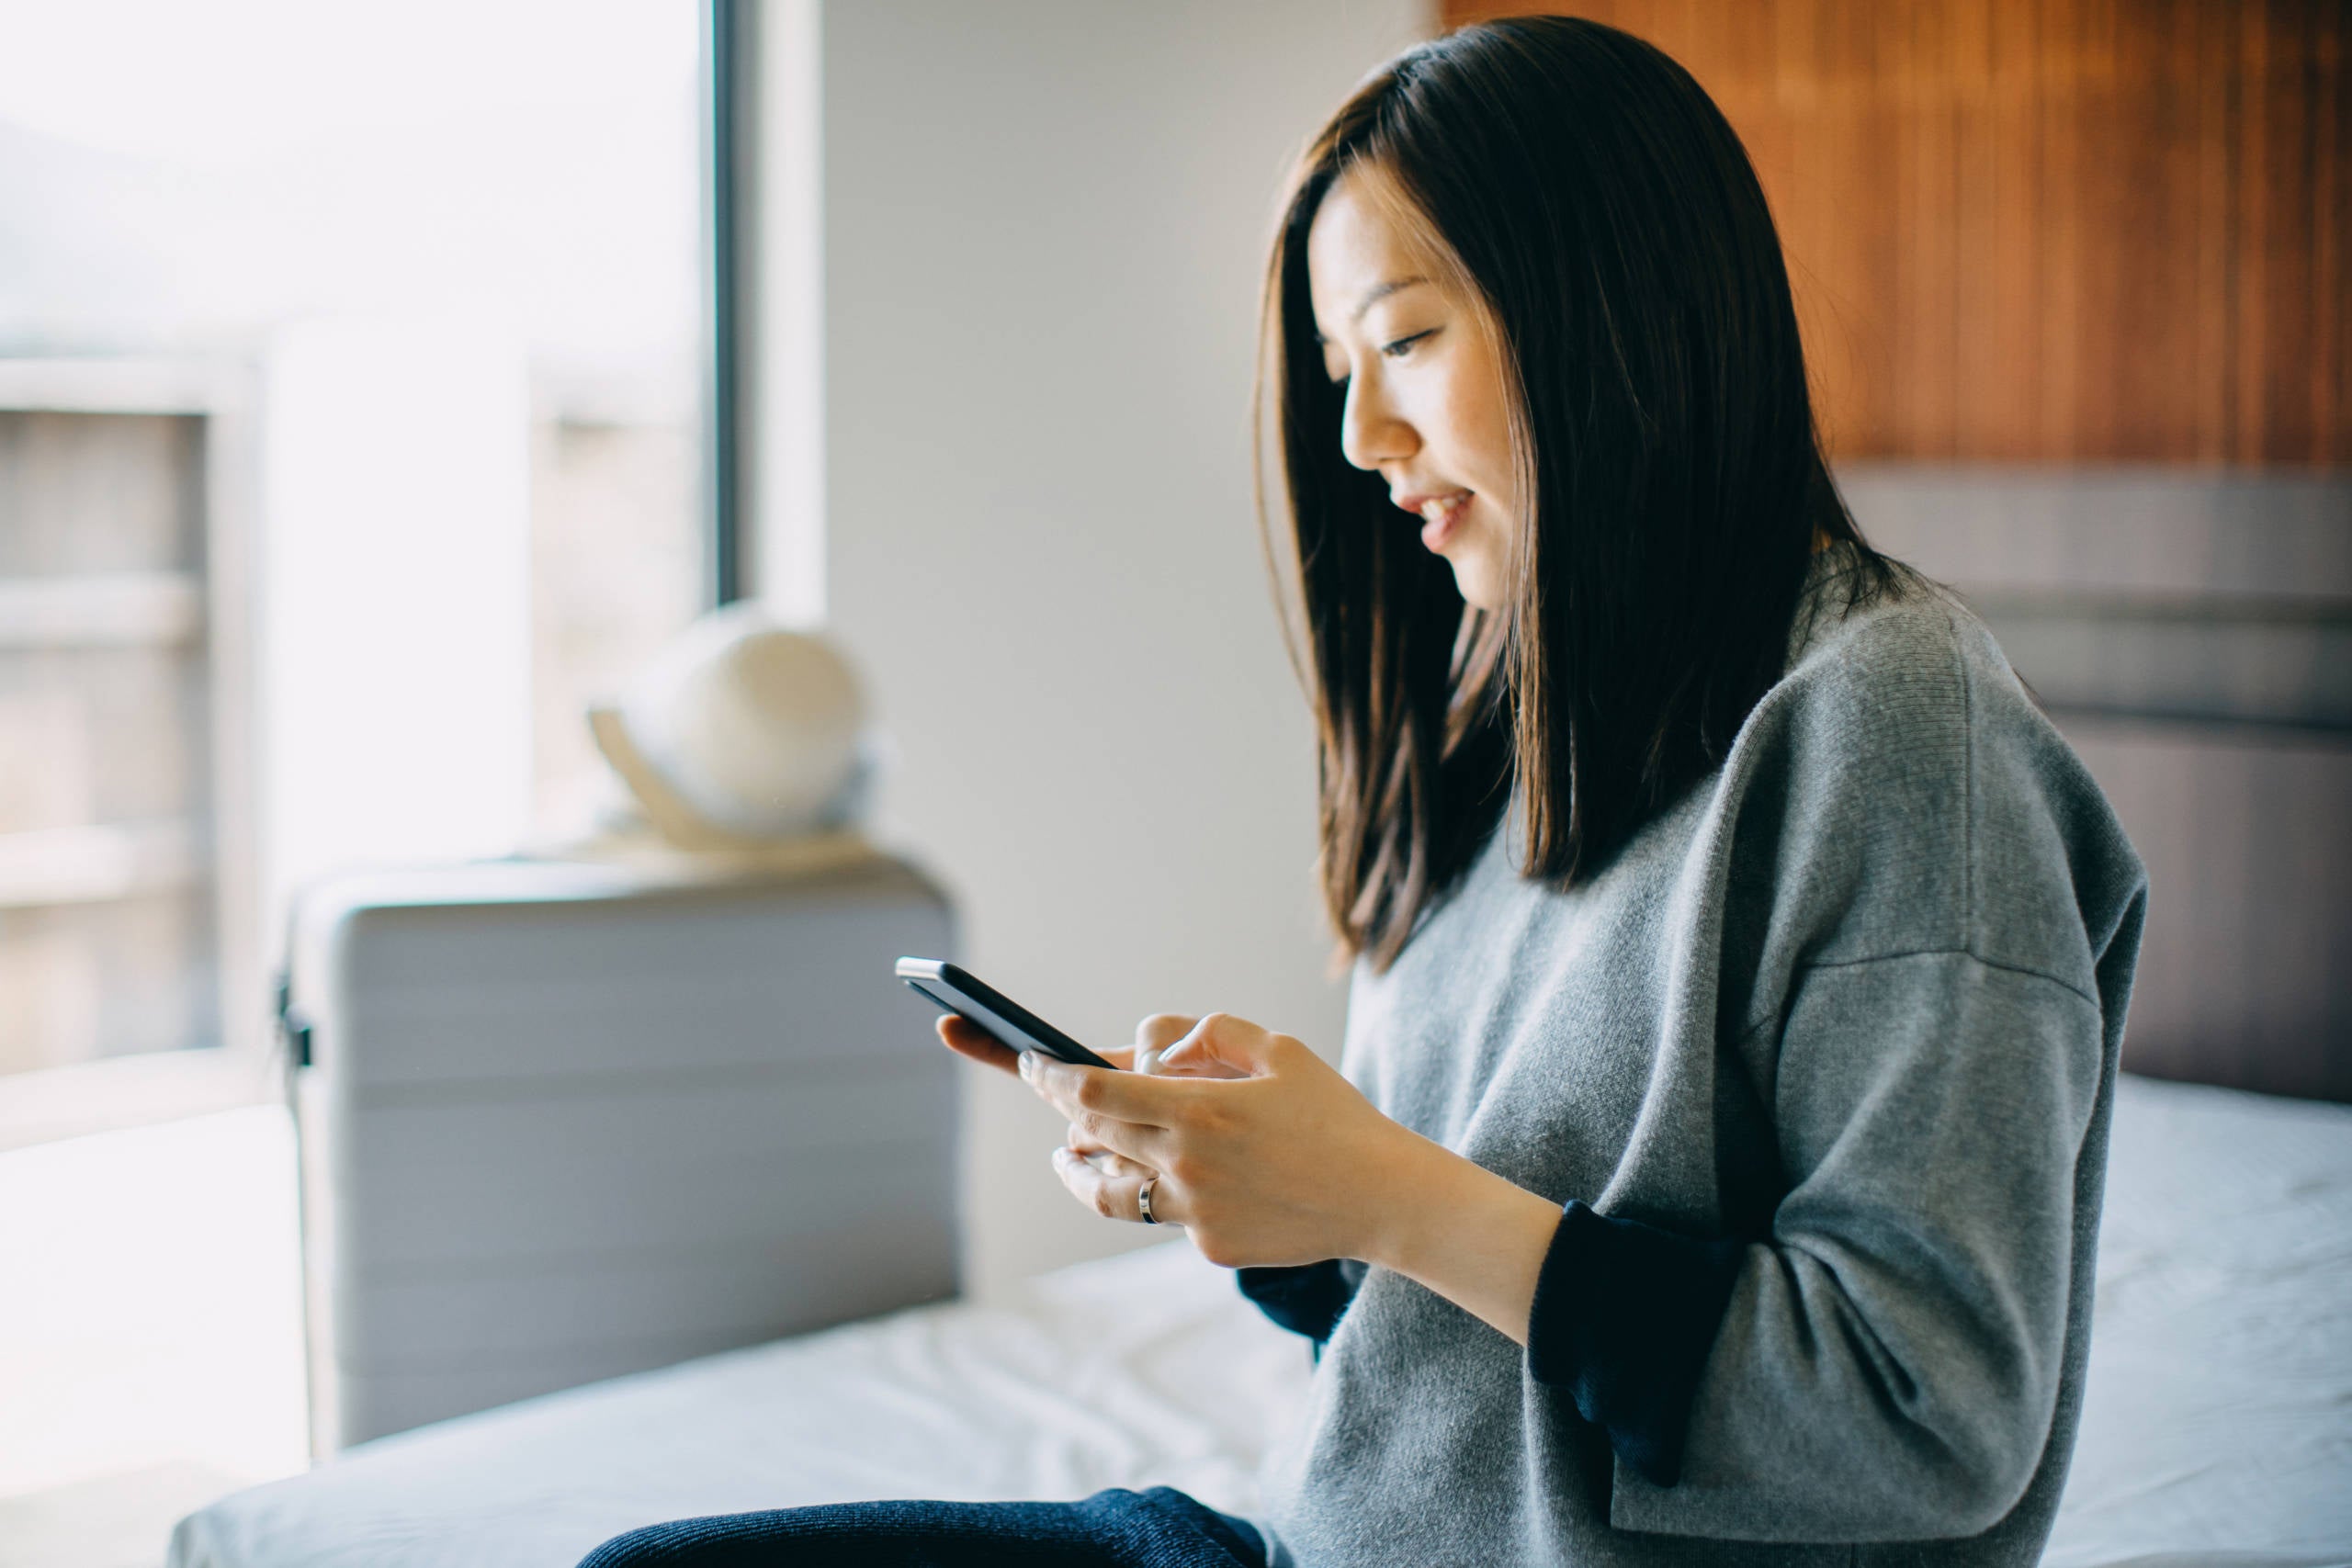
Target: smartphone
(1007,1021)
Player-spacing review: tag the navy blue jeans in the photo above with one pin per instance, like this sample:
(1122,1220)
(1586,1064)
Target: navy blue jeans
(1117,1529)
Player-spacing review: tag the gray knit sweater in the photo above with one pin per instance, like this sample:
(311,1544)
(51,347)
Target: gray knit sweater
(1852,1007)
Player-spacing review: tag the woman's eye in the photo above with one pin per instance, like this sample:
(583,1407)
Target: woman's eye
(1397,350)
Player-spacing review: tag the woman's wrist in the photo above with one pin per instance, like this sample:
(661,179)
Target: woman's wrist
(1472,1237)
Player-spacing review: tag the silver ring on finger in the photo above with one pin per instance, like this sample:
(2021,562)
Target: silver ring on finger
(1143,1199)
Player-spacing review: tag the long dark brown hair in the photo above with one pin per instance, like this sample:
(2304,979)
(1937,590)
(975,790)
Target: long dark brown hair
(1589,201)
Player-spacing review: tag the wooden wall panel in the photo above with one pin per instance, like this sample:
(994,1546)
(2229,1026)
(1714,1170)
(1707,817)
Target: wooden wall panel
(2047,230)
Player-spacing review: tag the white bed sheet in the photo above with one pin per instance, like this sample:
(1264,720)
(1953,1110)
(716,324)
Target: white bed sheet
(2217,1419)
(2217,1430)
(1143,1369)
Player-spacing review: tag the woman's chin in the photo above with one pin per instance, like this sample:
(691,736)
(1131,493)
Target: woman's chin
(1474,580)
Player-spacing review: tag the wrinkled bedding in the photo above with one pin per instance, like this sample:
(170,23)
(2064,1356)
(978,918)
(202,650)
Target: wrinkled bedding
(2217,1430)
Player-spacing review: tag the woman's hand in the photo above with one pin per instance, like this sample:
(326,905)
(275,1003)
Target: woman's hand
(1153,1036)
(1263,1152)
(1267,1155)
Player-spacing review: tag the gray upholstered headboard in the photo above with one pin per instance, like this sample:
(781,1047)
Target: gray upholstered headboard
(2191,633)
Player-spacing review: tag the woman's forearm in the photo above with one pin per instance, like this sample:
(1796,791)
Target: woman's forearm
(1472,1237)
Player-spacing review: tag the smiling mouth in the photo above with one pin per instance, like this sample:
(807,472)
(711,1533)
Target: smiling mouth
(1442,517)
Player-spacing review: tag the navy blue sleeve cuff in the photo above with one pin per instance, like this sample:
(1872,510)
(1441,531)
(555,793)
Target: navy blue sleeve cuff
(1305,1299)
(1623,1318)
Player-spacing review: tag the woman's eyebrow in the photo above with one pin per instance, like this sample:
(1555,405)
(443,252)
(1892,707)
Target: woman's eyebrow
(1379,291)
(1374,295)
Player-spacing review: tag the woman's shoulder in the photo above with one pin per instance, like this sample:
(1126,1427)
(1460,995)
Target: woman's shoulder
(1892,660)
(1902,762)
(1882,665)
(1898,692)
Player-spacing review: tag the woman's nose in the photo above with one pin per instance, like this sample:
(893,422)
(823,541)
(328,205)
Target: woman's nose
(1370,435)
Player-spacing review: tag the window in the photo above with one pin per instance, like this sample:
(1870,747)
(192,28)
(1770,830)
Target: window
(352,366)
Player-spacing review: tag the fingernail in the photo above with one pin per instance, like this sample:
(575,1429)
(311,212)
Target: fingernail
(1022,1066)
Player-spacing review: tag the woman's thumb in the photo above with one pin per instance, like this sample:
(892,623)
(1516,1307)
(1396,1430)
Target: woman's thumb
(1222,1038)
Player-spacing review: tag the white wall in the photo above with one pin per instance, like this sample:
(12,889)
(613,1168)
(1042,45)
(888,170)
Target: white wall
(1043,222)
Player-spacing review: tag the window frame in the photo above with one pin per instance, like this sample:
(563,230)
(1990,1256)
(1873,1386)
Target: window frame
(249,1064)
(49,1103)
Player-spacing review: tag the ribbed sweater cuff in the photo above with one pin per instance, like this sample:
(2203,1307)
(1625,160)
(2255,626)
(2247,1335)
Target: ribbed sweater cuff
(1623,1318)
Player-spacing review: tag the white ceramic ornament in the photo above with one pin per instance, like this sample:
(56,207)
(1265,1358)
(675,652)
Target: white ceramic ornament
(741,730)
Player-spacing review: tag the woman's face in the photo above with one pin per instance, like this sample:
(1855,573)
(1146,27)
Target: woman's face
(1425,400)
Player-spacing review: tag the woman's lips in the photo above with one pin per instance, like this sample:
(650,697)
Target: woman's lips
(1442,518)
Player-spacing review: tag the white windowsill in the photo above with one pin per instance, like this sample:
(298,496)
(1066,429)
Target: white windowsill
(150,1340)
(129,1092)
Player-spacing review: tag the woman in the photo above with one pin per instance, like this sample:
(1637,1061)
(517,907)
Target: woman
(1740,957)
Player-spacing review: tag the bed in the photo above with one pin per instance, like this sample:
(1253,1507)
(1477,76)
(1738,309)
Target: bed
(2217,1431)
(2193,635)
